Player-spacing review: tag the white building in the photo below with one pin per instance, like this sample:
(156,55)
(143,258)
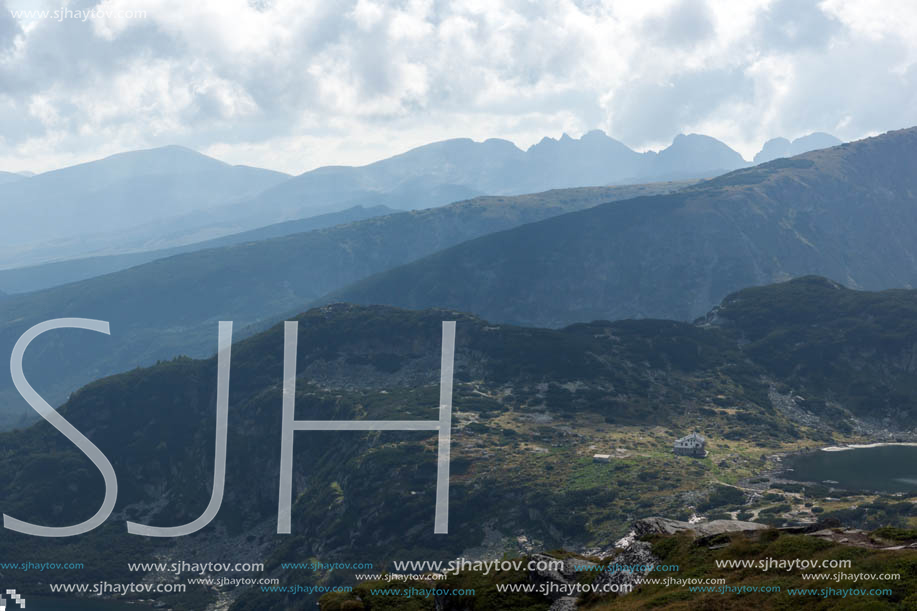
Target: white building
(691,445)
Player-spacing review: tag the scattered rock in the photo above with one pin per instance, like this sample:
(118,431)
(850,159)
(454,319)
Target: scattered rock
(566,603)
(638,553)
(565,576)
(665,526)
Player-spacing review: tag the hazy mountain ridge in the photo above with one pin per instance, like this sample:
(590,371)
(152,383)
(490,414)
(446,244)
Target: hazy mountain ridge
(173,196)
(498,167)
(695,153)
(170,306)
(34,278)
(782,147)
(677,255)
(88,207)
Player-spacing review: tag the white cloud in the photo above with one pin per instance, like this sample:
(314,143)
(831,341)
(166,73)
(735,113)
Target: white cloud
(295,85)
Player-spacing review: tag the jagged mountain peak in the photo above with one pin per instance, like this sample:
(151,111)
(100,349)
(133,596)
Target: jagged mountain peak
(783,147)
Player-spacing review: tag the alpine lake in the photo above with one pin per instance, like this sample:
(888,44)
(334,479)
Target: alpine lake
(877,468)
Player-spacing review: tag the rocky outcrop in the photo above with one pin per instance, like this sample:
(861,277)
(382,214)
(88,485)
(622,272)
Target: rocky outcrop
(635,553)
(638,553)
(665,526)
(563,577)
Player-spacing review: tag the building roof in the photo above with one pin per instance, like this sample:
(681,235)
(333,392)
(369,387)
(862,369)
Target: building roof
(693,437)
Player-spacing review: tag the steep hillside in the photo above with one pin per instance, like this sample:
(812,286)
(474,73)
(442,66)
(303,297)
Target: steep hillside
(169,306)
(531,407)
(857,349)
(848,213)
(371,494)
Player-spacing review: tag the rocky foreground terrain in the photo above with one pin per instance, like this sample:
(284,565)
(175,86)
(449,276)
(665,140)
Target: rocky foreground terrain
(662,542)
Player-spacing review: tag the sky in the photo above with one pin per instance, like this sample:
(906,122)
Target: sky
(293,85)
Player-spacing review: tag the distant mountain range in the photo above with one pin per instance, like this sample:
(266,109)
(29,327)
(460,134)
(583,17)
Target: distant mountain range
(847,212)
(171,306)
(47,275)
(125,201)
(173,196)
(446,171)
(781,147)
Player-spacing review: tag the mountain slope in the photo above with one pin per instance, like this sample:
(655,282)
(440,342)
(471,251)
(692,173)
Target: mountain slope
(35,278)
(531,406)
(848,212)
(855,348)
(370,496)
(169,306)
(115,194)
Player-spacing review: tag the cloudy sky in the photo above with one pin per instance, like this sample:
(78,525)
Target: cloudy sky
(295,85)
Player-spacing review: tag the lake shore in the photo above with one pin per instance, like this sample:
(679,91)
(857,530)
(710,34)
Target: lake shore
(859,446)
